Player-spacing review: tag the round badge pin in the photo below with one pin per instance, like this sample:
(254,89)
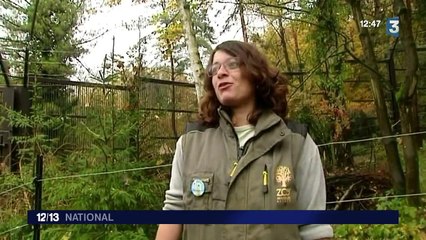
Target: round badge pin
(197,187)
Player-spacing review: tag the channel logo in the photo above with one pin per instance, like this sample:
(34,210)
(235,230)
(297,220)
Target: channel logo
(392,26)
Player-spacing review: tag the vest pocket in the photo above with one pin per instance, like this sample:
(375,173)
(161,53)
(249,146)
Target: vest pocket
(198,193)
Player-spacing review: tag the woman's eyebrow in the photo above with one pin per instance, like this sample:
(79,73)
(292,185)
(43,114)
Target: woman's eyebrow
(230,58)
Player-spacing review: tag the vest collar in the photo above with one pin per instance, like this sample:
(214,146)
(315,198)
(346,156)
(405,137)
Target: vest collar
(266,120)
(270,127)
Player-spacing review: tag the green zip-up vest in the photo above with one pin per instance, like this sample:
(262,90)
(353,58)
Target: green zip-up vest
(260,177)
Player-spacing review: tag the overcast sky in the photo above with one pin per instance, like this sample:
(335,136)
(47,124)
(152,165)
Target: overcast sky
(113,20)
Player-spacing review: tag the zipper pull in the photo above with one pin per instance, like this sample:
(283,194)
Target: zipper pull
(233,169)
(265,179)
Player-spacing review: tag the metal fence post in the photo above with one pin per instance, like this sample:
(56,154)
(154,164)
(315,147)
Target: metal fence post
(38,192)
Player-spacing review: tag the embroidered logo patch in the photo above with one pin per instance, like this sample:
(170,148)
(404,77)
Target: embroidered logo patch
(283,177)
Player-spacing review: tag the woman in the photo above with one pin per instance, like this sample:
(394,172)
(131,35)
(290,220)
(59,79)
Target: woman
(244,156)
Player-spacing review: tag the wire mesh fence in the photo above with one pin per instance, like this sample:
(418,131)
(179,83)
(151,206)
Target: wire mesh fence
(157,102)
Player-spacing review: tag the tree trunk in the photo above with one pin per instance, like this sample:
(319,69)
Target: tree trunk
(5,70)
(392,80)
(390,145)
(173,78)
(416,122)
(194,55)
(378,14)
(298,58)
(243,21)
(406,95)
(284,45)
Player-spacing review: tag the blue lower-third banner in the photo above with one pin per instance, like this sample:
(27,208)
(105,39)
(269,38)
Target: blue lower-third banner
(212,217)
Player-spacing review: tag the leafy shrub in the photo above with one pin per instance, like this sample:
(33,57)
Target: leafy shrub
(412,224)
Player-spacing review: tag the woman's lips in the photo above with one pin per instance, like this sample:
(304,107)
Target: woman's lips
(223,86)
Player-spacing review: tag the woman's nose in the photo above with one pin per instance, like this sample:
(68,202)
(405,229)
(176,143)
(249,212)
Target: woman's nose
(222,71)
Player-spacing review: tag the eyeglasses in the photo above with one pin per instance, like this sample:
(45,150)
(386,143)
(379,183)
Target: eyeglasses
(230,64)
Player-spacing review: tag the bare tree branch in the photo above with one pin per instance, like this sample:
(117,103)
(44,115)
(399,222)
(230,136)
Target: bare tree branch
(230,18)
(263,4)
(13,5)
(92,39)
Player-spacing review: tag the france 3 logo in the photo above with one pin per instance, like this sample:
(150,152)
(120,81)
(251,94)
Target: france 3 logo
(392,26)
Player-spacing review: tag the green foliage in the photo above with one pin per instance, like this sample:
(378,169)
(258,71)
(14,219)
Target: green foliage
(329,51)
(412,224)
(132,190)
(171,34)
(15,203)
(35,125)
(320,128)
(105,173)
(53,44)
(8,231)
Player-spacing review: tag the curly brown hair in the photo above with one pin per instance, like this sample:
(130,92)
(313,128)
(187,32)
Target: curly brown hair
(270,86)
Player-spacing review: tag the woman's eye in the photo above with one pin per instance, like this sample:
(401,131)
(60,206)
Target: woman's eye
(233,65)
(215,69)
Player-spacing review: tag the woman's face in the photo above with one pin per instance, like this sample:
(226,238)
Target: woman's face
(231,87)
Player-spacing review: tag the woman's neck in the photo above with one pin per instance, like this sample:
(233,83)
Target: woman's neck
(240,115)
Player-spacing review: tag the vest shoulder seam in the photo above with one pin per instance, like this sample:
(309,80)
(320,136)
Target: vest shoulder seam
(297,127)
